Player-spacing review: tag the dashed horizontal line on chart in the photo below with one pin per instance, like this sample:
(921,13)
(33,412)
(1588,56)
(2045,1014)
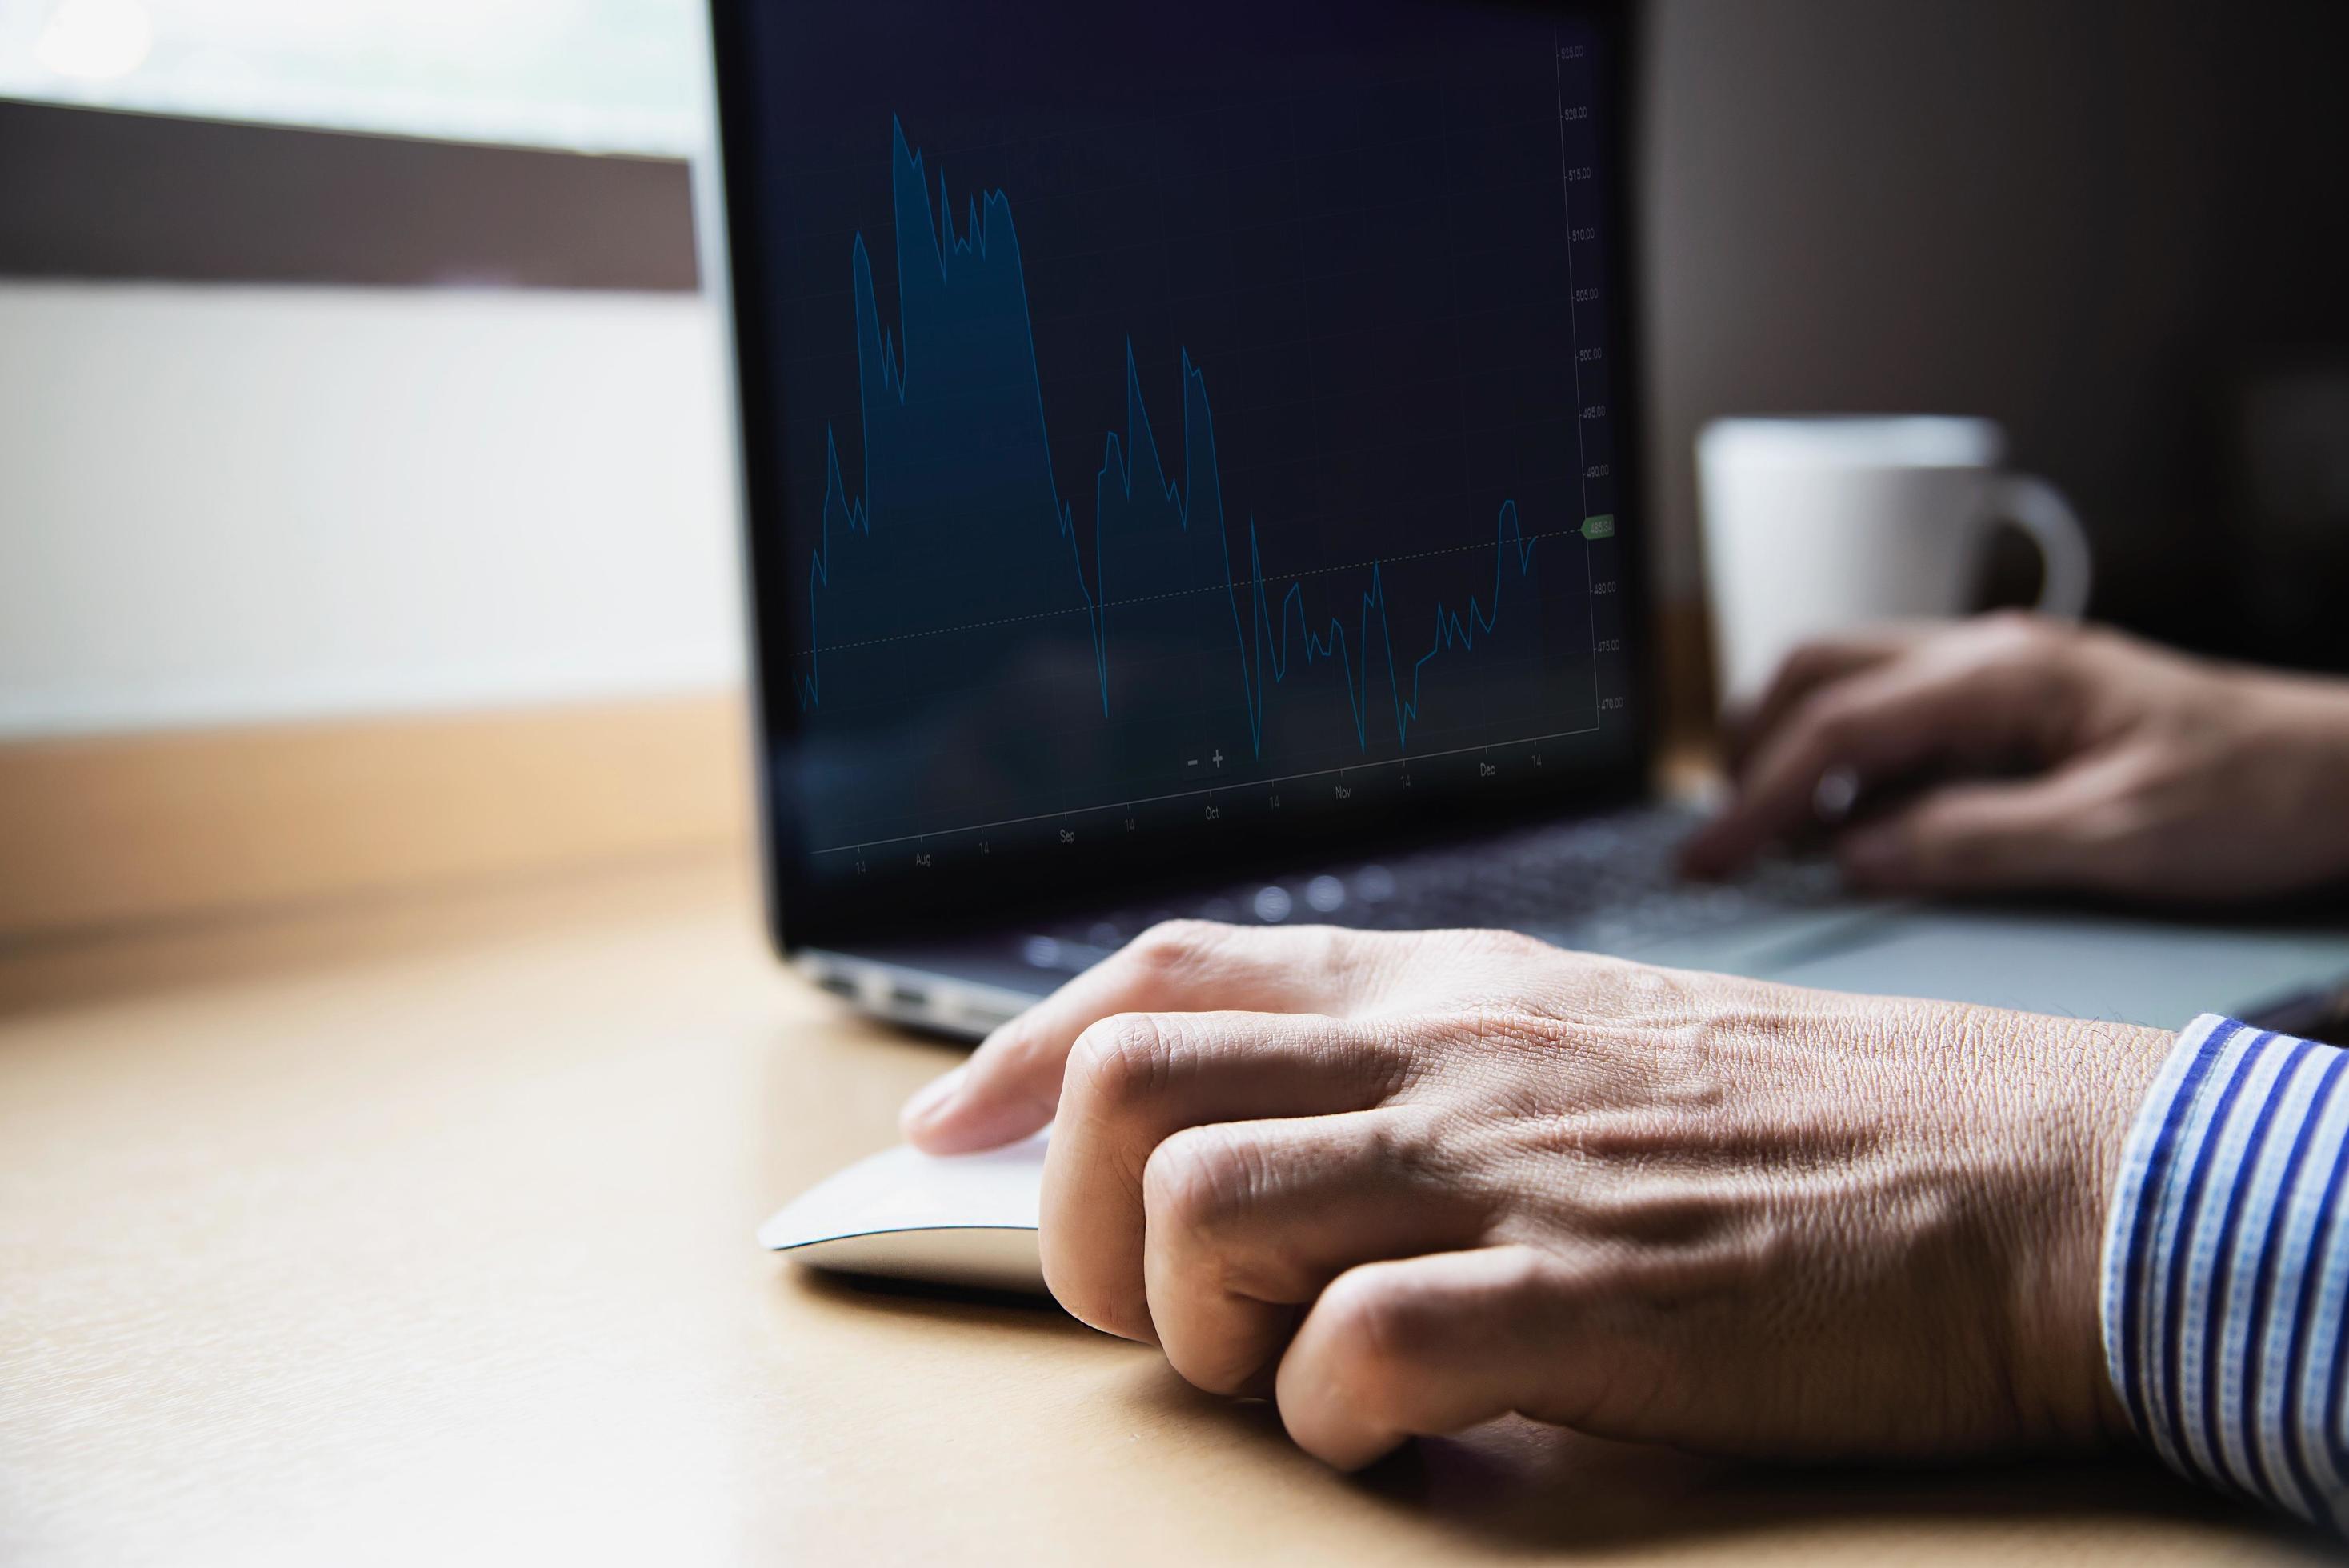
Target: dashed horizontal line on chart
(1172,593)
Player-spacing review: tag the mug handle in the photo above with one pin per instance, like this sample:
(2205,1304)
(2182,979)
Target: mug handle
(2039,509)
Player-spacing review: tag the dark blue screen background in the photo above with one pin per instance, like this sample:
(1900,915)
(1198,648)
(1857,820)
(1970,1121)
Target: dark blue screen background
(1181,416)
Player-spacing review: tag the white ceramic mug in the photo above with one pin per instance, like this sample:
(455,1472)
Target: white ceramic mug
(1814,525)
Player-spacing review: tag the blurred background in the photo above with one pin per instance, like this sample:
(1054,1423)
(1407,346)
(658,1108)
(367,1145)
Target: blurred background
(356,365)
(355,360)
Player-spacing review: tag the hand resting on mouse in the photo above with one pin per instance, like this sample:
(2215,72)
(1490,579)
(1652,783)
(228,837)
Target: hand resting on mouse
(1403,1183)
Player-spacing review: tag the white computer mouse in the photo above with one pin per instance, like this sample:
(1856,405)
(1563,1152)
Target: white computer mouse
(967,1219)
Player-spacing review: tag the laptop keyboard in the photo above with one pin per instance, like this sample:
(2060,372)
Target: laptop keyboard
(1599,883)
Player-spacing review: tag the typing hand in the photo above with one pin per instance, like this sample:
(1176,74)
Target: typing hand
(1404,1183)
(2141,772)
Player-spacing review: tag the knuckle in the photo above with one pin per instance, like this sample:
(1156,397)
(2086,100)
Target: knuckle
(1375,1328)
(1969,864)
(1834,721)
(1524,1272)
(1023,1044)
(2130,805)
(1175,946)
(1333,949)
(1515,944)
(1339,955)
(1120,1062)
(2023,638)
(1934,849)
(2123,831)
(1198,1180)
(2022,628)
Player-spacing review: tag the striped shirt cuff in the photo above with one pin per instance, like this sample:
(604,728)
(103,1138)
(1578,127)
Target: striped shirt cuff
(2226,1264)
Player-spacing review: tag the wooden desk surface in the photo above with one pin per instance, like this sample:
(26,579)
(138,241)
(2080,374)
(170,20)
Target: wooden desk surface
(422,1230)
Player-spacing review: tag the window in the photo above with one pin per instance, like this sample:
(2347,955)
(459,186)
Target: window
(588,76)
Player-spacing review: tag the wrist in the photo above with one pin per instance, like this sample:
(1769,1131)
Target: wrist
(2102,1072)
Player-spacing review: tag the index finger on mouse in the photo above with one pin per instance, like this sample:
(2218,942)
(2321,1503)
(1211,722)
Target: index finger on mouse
(1011,1085)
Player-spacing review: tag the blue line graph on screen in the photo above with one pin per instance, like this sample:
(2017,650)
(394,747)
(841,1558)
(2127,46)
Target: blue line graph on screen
(958,488)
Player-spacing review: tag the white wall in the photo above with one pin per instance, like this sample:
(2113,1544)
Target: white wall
(222,504)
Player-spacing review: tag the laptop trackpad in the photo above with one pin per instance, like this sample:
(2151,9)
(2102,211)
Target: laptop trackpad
(2143,972)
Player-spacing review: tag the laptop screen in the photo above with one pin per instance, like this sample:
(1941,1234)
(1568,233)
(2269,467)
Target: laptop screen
(1175,435)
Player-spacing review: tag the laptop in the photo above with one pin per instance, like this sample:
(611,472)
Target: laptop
(1191,464)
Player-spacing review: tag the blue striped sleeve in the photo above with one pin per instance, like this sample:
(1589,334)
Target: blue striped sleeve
(2227,1263)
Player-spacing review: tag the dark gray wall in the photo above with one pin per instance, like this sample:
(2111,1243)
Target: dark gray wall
(2091,221)
(96,194)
